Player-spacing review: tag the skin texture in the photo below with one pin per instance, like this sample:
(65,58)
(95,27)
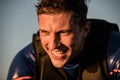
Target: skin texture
(24,78)
(114,71)
(61,38)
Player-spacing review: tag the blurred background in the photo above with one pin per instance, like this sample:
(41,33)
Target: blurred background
(18,22)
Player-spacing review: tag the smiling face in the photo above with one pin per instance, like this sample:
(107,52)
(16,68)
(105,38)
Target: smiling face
(60,38)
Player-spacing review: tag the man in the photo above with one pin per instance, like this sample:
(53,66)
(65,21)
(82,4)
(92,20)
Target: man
(71,48)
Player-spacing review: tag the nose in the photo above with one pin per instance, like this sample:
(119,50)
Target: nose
(54,41)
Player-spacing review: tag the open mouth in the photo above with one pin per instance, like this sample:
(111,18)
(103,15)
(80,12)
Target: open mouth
(58,54)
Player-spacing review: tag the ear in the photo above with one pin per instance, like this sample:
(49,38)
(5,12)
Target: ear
(86,28)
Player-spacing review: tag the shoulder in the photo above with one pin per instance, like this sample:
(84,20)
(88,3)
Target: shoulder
(113,53)
(22,64)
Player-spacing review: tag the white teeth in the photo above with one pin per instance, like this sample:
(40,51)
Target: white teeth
(57,52)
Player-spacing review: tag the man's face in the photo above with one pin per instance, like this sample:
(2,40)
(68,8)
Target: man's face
(60,38)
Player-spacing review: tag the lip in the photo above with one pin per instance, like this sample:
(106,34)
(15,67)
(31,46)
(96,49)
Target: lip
(58,56)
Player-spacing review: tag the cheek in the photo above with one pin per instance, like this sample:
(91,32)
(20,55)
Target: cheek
(68,41)
(43,41)
(76,42)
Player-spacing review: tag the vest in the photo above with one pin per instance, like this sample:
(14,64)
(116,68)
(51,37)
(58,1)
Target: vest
(94,65)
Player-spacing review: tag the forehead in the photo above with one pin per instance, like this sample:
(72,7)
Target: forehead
(58,16)
(51,20)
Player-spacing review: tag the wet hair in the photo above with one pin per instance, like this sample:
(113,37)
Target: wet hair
(77,8)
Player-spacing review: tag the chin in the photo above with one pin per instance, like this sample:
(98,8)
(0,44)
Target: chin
(58,64)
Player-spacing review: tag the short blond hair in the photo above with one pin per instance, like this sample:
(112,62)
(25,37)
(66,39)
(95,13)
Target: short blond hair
(78,8)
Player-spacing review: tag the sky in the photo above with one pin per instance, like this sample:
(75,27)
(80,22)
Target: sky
(18,22)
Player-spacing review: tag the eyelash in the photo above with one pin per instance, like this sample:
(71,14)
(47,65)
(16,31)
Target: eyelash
(64,33)
(44,32)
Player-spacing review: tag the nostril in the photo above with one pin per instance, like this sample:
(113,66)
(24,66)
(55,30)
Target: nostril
(55,45)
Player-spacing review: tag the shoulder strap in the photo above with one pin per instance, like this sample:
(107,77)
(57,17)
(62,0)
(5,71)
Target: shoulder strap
(39,52)
(95,47)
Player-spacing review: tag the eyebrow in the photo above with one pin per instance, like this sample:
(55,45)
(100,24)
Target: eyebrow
(43,30)
(69,30)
